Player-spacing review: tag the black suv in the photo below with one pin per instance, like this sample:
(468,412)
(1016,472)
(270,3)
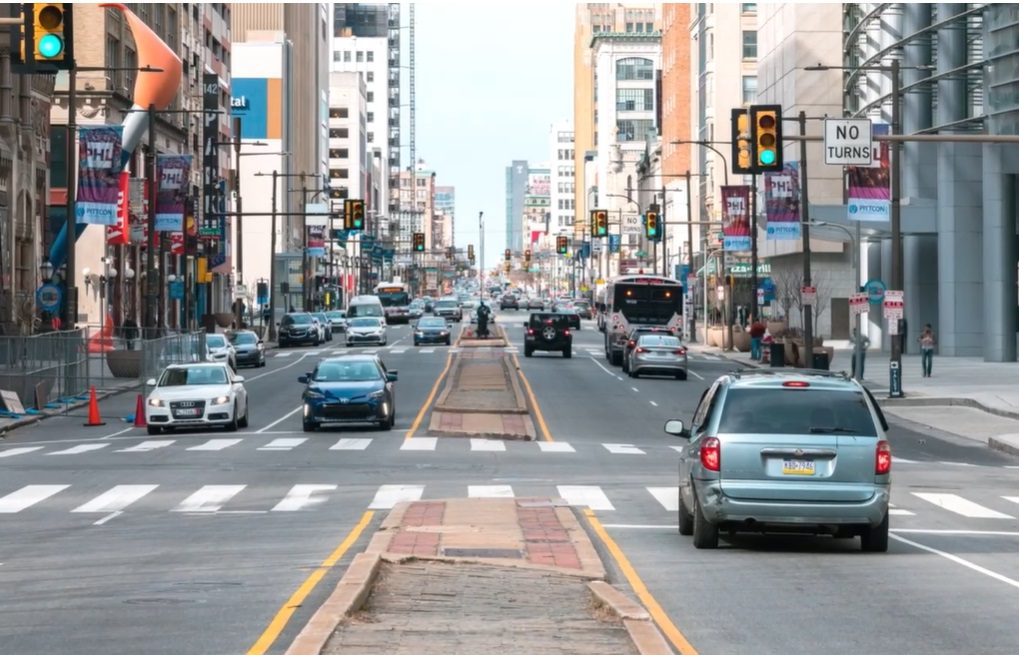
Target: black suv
(296,328)
(509,301)
(548,331)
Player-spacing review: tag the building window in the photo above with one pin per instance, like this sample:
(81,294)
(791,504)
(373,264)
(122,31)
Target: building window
(750,44)
(649,27)
(360,55)
(370,76)
(337,112)
(635,99)
(749,89)
(748,7)
(637,68)
(633,130)
(339,153)
(370,117)
(370,55)
(339,173)
(371,96)
(629,27)
(338,133)
(640,27)
(346,55)
(371,137)
(337,55)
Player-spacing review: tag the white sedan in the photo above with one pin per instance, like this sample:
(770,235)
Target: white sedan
(197,395)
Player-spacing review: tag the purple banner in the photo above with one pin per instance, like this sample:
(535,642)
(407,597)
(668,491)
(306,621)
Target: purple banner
(173,172)
(736,218)
(870,194)
(99,151)
(782,202)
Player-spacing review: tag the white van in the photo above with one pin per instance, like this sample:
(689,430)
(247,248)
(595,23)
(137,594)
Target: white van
(361,306)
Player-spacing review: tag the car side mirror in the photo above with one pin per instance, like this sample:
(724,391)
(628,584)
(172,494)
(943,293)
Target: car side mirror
(676,428)
(238,378)
(525,323)
(303,379)
(391,376)
(151,382)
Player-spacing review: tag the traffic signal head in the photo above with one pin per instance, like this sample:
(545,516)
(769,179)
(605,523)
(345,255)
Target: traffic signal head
(766,137)
(470,251)
(527,255)
(599,223)
(651,225)
(357,214)
(46,34)
(742,159)
(419,242)
(561,245)
(508,254)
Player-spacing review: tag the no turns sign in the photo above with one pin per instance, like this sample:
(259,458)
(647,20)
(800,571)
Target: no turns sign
(847,141)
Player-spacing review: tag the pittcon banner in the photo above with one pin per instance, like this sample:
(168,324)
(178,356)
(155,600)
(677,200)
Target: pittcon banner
(99,151)
(173,172)
(736,218)
(782,202)
(870,195)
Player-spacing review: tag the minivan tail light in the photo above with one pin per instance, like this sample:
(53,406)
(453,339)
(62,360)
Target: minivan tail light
(883,458)
(711,453)
(799,384)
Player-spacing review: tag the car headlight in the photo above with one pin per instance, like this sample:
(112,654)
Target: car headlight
(260,346)
(419,333)
(443,333)
(156,402)
(381,393)
(313,394)
(221,400)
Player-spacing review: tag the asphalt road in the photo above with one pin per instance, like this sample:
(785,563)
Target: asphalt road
(115,541)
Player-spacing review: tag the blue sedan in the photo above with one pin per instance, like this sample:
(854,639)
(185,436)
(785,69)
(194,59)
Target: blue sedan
(431,330)
(349,389)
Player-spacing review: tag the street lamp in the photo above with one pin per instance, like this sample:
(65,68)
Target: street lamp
(46,270)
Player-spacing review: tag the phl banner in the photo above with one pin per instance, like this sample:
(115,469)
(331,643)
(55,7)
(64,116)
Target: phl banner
(173,172)
(736,218)
(99,151)
(869,190)
(119,233)
(316,241)
(782,202)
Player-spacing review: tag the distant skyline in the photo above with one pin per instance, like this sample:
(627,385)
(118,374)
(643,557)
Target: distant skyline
(491,79)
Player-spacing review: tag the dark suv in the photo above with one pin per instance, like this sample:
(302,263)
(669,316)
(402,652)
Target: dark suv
(548,331)
(299,327)
(509,301)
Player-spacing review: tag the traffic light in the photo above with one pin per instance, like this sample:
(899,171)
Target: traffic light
(651,225)
(353,214)
(506,266)
(561,245)
(419,242)
(470,251)
(766,137)
(742,159)
(508,254)
(527,257)
(46,35)
(599,223)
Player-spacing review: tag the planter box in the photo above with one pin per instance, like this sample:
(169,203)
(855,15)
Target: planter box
(777,328)
(224,319)
(742,339)
(125,363)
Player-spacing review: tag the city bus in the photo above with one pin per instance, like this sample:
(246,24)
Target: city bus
(395,299)
(633,300)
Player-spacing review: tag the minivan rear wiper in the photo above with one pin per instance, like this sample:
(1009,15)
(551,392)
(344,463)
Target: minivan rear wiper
(832,431)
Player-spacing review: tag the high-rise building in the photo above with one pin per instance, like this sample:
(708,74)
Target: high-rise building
(445,212)
(561,184)
(516,189)
(537,203)
(675,109)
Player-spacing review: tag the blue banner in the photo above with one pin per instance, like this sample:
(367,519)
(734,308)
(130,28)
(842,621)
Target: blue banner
(614,241)
(782,203)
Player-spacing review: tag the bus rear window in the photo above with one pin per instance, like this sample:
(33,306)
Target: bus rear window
(648,303)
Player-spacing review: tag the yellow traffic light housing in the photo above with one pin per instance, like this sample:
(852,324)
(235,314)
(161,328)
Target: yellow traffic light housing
(353,214)
(508,254)
(561,245)
(527,256)
(651,225)
(742,158)
(766,137)
(419,242)
(599,223)
(45,36)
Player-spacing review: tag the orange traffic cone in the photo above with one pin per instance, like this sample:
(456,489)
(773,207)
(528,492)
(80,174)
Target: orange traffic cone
(139,413)
(93,409)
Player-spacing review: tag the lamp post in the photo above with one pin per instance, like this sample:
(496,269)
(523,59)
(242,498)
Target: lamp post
(855,241)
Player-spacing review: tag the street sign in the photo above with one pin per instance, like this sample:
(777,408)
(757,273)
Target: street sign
(894,305)
(847,141)
(48,296)
(858,304)
(875,290)
(631,224)
(808,295)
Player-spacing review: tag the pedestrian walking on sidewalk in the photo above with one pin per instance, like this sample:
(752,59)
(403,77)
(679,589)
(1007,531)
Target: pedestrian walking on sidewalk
(757,330)
(860,345)
(927,343)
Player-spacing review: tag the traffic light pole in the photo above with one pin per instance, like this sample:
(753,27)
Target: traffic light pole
(272,261)
(808,321)
(70,227)
(754,306)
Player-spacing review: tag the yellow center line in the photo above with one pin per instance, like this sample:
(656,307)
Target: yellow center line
(666,625)
(431,396)
(265,641)
(546,434)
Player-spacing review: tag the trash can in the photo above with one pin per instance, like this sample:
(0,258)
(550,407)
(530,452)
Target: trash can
(777,354)
(820,361)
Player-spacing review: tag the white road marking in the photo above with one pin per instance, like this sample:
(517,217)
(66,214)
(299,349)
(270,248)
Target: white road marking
(116,499)
(489,445)
(118,433)
(280,420)
(420,443)
(312,353)
(667,496)
(209,498)
(695,374)
(27,496)
(555,447)
(287,354)
(83,448)
(108,518)
(370,351)
(902,460)
(678,449)
(599,365)
(148,446)
(589,496)
(619,377)
(960,505)
(217,444)
(623,449)
(1011,499)
(338,351)
(956,463)
(11,452)
(638,526)
(427,351)
(389,495)
(895,511)
(284,443)
(275,371)
(351,444)
(490,491)
(958,560)
(397,351)
(653,403)
(965,533)
(302,496)
(635,389)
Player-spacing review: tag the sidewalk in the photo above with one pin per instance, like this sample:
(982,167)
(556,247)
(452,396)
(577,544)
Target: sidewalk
(479,575)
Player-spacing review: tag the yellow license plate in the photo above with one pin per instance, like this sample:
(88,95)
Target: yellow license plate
(798,467)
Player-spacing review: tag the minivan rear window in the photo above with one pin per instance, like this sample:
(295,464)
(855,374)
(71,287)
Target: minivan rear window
(800,412)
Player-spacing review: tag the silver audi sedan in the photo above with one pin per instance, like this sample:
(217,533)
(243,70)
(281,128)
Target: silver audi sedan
(659,354)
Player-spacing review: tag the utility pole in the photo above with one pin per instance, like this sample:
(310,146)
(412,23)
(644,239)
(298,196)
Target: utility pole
(895,363)
(272,261)
(753,248)
(70,224)
(808,322)
(150,252)
(305,260)
(692,319)
(240,214)
(481,243)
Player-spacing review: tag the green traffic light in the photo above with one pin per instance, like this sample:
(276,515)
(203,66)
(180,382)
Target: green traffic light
(767,157)
(50,46)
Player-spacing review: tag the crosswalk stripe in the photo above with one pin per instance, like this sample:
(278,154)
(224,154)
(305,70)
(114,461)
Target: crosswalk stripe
(370,351)
(623,449)
(284,443)
(117,498)
(898,511)
(11,452)
(902,460)
(389,495)
(427,351)
(313,352)
(338,351)
(678,449)
(83,448)
(555,447)
(148,446)
(209,498)
(216,444)
(582,495)
(27,496)
(960,505)
(667,496)
(489,445)
(351,444)
(490,491)
(1011,499)
(420,443)
(302,496)
(397,351)
(286,354)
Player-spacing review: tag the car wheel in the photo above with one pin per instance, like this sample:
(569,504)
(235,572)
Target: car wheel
(616,358)
(633,373)
(243,422)
(705,535)
(155,429)
(416,343)
(232,425)
(626,365)
(681,375)
(309,426)
(528,351)
(388,423)
(685,518)
(568,352)
(316,342)
(875,539)
(447,341)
